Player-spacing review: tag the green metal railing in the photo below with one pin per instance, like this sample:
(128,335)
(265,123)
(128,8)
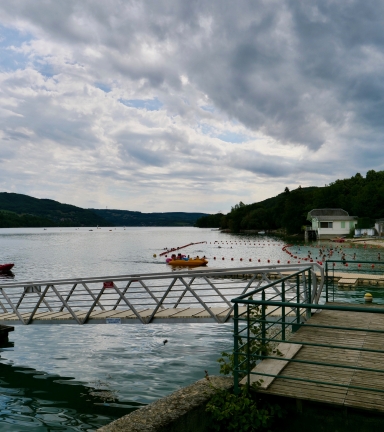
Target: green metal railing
(355,266)
(257,330)
(259,321)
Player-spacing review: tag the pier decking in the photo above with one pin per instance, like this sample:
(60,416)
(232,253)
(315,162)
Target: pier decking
(307,380)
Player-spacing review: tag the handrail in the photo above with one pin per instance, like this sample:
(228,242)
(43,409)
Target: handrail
(255,326)
(146,296)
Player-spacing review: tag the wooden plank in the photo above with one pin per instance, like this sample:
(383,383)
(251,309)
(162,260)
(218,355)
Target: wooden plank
(215,310)
(168,313)
(272,366)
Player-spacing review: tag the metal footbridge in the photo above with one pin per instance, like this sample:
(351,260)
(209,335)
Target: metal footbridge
(188,296)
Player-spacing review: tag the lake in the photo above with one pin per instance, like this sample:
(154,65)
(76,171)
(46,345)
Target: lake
(44,373)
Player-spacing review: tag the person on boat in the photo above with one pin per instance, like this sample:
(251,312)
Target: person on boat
(173,257)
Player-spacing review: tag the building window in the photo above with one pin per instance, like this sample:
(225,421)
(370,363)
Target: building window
(326,224)
(342,224)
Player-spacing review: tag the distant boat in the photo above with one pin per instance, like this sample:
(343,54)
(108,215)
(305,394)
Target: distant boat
(194,262)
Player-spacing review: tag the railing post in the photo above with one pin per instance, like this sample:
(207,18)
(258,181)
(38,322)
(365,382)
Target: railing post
(236,349)
(326,281)
(263,335)
(283,310)
(309,311)
(298,299)
(248,349)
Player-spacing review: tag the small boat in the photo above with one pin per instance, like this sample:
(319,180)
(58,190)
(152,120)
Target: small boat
(195,262)
(6,267)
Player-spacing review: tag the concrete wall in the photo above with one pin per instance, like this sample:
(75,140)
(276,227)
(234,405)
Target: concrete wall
(182,411)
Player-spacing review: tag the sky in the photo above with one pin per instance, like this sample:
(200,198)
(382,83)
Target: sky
(193,106)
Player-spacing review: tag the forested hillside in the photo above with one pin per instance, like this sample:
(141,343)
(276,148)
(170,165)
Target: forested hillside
(43,212)
(359,196)
(12,220)
(135,218)
(17,211)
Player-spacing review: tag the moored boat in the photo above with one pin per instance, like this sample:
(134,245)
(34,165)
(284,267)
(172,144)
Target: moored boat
(6,267)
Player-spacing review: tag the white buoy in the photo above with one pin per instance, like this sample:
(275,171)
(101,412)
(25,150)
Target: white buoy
(368,297)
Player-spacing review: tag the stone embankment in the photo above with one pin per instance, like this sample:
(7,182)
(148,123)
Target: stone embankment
(181,411)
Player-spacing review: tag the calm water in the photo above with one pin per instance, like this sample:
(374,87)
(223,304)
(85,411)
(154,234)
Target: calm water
(42,377)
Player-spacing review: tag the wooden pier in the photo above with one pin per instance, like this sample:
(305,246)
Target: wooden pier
(357,378)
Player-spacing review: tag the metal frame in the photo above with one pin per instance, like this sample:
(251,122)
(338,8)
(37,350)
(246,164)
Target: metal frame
(84,298)
(303,308)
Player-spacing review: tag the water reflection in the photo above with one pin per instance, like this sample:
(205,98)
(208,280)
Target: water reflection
(33,400)
(7,275)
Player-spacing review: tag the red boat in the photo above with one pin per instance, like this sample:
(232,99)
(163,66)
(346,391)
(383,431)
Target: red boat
(5,267)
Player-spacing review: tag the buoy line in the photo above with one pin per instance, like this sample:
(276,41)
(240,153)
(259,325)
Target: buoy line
(181,247)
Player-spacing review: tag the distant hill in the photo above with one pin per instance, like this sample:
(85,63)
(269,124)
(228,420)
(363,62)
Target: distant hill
(19,210)
(359,196)
(135,218)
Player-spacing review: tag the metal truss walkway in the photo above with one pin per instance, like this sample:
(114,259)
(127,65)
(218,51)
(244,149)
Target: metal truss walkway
(188,296)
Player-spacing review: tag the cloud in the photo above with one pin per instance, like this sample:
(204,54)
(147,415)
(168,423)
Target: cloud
(125,101)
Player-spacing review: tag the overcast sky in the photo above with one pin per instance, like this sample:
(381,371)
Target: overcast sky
(187,105)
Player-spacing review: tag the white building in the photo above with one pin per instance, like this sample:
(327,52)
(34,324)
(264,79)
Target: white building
(379,226)
(330,223)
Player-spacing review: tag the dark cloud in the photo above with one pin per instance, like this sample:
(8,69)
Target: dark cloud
(161,89)
(291,69)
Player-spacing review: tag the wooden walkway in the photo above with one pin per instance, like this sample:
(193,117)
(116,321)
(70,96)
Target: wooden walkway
(179,315)
(346,396)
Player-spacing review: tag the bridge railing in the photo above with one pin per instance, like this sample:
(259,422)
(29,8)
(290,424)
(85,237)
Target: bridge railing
(337,343)
(84,298)
(370,273)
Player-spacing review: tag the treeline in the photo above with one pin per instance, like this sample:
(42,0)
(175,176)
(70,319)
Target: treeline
(359,196)
(33,210)
(135,218)
(13,220)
